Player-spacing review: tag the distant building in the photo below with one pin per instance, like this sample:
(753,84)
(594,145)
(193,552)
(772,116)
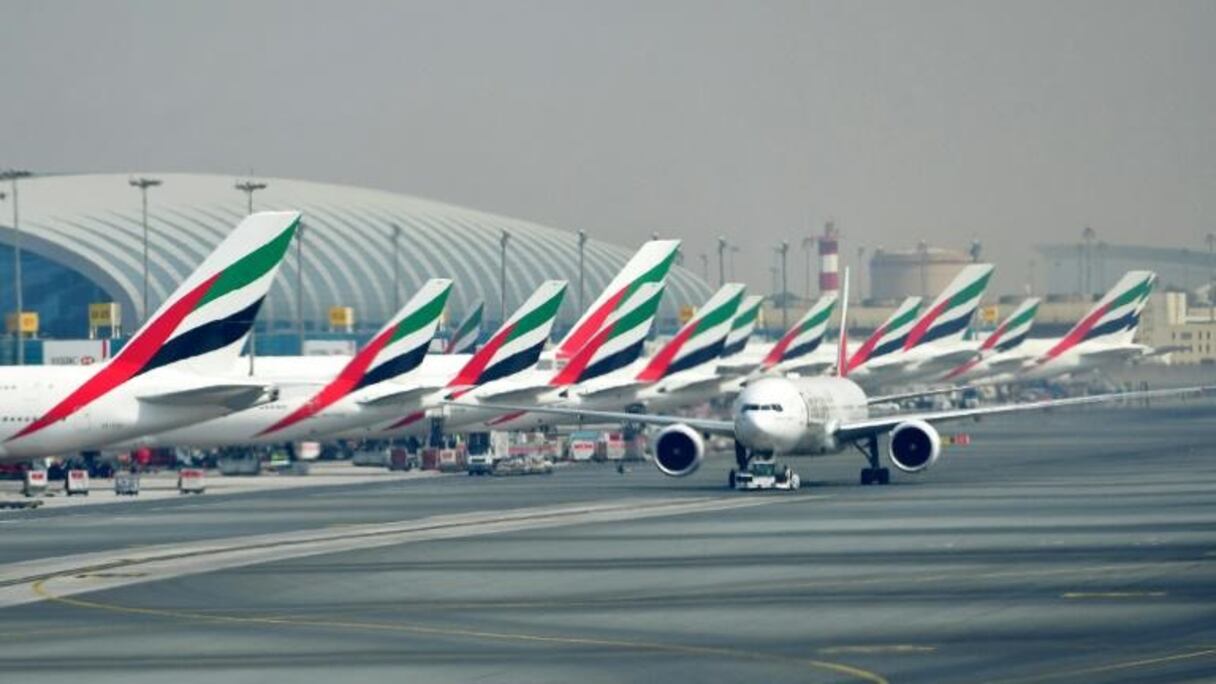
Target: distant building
(1076,269)
(82,242)
(895,274)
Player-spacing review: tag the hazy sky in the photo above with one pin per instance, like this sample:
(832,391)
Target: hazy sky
(1014,122)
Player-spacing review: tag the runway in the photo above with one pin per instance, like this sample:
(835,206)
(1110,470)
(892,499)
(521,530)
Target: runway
(1075,546)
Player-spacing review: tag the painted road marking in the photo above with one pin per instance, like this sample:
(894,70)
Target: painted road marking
(1111,594)
(175,560)
(39,587)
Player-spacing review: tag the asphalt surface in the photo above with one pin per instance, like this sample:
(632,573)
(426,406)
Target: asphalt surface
(1074,546)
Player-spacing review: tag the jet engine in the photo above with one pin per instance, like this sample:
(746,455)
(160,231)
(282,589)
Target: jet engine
(914,447)
(678,450)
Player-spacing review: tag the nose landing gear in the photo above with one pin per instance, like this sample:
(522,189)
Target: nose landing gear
(760,471)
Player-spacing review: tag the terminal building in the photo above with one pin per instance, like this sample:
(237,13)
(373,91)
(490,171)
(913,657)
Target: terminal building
(81,240)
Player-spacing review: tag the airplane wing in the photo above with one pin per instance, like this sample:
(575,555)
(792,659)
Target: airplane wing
(235,396)
(387,396)
(861,429)
(720,427)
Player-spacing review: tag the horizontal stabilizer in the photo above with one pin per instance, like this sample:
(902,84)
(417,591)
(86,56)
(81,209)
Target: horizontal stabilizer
(235,396)
(391,396)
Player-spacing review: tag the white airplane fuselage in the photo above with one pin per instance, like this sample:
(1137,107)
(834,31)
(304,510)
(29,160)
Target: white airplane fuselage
(27,393)
(796,416)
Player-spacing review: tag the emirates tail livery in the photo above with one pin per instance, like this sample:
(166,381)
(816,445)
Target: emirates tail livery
(465,336)
(1001,351)
(816,416)
(179,368)
(649,265)
(934,344)
(741,328)
(1102,338)
(512,349)
(618,344)
(797,351)
(675,369)
(308,409)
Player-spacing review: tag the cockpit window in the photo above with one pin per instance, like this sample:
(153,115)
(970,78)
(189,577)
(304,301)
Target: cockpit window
(763,407)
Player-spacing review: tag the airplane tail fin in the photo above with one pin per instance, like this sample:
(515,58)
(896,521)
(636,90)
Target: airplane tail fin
(202,326)
(619,341)
(649,265)
(950,314)
(888,337)
(1014,329)
(517,344)
(805,335)
(743,325)
(1114,318)
(399,346)
(464,338)
(701,339)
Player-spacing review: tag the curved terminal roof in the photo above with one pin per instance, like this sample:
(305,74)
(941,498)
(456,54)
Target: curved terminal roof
(92,224)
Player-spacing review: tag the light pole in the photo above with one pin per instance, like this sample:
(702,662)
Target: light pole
(704,266)
(1211,240)
(922,248)
(300,286)
(143,184)
(1087,236)
(808,243)
(582,248)
(861,279)
(396,268)
(1186,274)
(249,187)
(13,175)
(783,249)
(502,276)
(722,244)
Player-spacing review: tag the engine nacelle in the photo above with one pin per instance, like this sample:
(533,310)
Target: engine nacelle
(915,446)
(678,450)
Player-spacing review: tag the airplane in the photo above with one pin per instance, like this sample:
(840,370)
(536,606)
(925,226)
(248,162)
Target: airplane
(795,351)
(649,265)
(516,346)
(180,367)
(629,303)
(309,406)
(464,338)
(816,416)
(934,344)
(1103,338)
(604,371)
(999,352)
(378,382)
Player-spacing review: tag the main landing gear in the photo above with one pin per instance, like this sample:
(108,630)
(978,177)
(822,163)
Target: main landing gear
(874,474)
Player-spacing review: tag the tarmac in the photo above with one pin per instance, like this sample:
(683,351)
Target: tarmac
(1072,546)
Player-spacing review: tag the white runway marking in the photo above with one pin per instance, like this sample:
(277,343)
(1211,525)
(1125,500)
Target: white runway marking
(70,575)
